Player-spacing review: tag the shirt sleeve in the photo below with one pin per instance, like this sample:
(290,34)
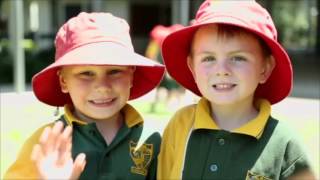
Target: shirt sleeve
(295,159)
(24,167)
(165,158)
(174,142)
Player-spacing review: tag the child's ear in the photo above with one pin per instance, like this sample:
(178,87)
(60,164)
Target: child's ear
(62,82)
(132,69)
(268,67)
(190,64)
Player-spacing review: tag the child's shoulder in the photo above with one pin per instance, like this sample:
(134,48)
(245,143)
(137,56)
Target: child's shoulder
(185,113)
(283,136)
(281,130)
(34,138)
(146,131)
(41,128)
(182,118)
(286,141)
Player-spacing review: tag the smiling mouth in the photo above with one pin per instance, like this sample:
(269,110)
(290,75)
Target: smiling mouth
(223,86)
(102,102)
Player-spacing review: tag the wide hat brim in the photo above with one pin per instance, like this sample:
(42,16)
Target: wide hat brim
(147,75)
(176,48)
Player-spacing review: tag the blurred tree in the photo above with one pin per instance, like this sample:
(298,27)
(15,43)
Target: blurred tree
(318,28)
(295,22)
(267,4)
(6,66)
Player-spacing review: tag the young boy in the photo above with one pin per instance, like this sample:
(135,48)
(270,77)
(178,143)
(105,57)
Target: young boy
(230,56)
(95,73)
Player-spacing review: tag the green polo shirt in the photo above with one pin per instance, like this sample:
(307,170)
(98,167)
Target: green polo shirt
(131,155)
(261,149)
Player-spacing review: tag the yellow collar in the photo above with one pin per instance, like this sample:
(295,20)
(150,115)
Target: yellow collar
(254,127)
(131,116)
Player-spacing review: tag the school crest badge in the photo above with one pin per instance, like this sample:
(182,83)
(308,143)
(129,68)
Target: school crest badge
(254,176)
(141,157)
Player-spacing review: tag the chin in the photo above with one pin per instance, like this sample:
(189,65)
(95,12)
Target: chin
(102,117)
(221,101)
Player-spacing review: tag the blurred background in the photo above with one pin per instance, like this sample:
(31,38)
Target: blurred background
(27,32)
(297,22)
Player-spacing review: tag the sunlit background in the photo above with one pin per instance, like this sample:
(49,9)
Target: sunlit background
(27,31)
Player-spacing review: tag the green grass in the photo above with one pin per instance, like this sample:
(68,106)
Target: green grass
(22,114)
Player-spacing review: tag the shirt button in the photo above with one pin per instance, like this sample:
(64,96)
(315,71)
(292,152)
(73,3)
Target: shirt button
(221,141)
(213,168)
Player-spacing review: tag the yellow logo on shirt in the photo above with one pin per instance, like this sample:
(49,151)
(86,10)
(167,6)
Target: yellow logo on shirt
(254,176)
(141,157)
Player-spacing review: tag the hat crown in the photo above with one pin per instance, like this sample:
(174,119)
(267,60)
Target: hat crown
(159,32)
(90,28)
(249,13)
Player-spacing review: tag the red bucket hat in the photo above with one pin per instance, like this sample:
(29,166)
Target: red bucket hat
(159,32)
(95,39)
(248,15)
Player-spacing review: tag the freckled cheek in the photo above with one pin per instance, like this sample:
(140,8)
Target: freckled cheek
(84,84)
(78,92)
(248,73)
(203,72)
(81,86)
(122,83)
(202,77)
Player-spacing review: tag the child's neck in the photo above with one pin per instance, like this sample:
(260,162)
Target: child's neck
(107,128)
(230,117)
(110,128)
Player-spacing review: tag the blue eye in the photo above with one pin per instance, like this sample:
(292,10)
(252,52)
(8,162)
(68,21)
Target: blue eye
(114,71)
(208,59)
(86,73)
(238,58)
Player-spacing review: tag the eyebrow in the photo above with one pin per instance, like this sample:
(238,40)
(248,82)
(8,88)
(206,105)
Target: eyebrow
(232,52)
(239,51)
(204,52)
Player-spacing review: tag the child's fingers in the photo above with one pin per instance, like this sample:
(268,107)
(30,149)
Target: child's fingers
(65,139)
(55,135)
(49,140)
(44,138)
(36,154)
(78,166)
(65,145)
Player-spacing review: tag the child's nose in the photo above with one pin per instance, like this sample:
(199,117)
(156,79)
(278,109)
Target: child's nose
(222,68)
(103,85)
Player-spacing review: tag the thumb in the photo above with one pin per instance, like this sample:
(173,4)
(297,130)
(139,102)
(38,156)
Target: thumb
(78,166)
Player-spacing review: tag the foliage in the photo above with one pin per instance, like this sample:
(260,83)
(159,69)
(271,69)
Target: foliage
(35,61)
